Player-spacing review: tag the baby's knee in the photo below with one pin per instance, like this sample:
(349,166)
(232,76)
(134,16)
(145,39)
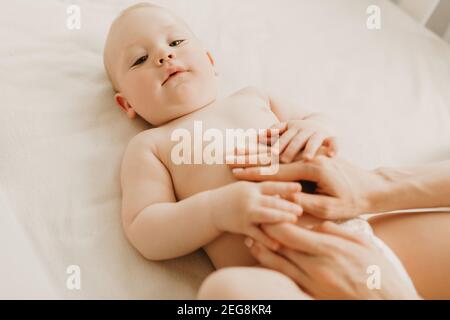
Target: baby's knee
(243,283)
(222,284)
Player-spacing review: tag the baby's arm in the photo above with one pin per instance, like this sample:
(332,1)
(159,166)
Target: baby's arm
(286,110)
(156,224)
(161,228)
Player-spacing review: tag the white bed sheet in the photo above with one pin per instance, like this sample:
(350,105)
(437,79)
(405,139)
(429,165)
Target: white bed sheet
(62,138)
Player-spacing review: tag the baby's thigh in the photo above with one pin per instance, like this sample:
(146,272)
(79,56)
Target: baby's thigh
(420,240)
(249,283)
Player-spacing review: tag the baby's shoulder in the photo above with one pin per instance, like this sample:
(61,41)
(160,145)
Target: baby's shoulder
(142,145)
(253,91)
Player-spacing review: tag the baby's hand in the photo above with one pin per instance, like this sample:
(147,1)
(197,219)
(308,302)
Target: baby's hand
(298,135)
(239,207)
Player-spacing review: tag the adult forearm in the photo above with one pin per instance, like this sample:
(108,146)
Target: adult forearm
(168,230)
(425,186)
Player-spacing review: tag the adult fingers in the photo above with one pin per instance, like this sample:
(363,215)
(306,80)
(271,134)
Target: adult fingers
(257,234)
(286,172)
(250,160)
(251,148)
(303,261)
(276,262)
(280,204)
(279,188)
(298,238)
(341,232)
(250,156)
(320,206)
(268,215)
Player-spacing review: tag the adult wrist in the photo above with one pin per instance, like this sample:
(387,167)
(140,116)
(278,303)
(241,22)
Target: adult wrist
(383,193)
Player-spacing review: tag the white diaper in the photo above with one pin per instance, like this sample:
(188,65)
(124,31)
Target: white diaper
(361,225)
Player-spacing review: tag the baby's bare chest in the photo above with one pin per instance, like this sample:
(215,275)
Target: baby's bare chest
(196,150)
(240,111)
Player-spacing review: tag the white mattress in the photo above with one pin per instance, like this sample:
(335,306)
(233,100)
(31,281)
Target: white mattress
(61,136)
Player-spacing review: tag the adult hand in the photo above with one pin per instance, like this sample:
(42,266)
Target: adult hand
(343,190)
(329,262)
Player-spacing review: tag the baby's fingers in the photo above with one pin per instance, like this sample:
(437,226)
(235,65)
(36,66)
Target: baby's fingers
(280,204)
(295,145)
(313,145)
(332,145)
(280,126)
(270,136)
(284,140)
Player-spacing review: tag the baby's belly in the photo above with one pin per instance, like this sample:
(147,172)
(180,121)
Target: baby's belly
(190,179)
(228,249)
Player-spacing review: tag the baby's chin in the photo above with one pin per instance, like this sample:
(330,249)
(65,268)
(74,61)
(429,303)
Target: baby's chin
(192,101)
(174,112)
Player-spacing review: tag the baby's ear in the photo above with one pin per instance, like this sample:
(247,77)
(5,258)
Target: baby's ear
(123,104)
(210,58)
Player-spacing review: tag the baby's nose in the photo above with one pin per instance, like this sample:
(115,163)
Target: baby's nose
(169,56)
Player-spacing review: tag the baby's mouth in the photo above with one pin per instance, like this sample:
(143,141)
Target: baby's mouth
(172,75)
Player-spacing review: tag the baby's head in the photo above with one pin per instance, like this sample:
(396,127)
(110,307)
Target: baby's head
(145,45)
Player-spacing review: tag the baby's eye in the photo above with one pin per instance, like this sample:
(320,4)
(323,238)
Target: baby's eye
(176,42)
(140,60)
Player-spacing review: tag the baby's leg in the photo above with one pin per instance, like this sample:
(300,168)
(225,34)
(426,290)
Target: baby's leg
(249,283)
(422,242)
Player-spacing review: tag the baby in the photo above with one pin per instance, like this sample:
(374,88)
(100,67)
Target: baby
(161,72)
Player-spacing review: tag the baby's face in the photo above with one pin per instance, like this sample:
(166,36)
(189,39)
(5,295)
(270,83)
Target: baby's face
(146,46)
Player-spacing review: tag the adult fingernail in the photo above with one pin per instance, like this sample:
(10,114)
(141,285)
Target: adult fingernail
(248,242)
